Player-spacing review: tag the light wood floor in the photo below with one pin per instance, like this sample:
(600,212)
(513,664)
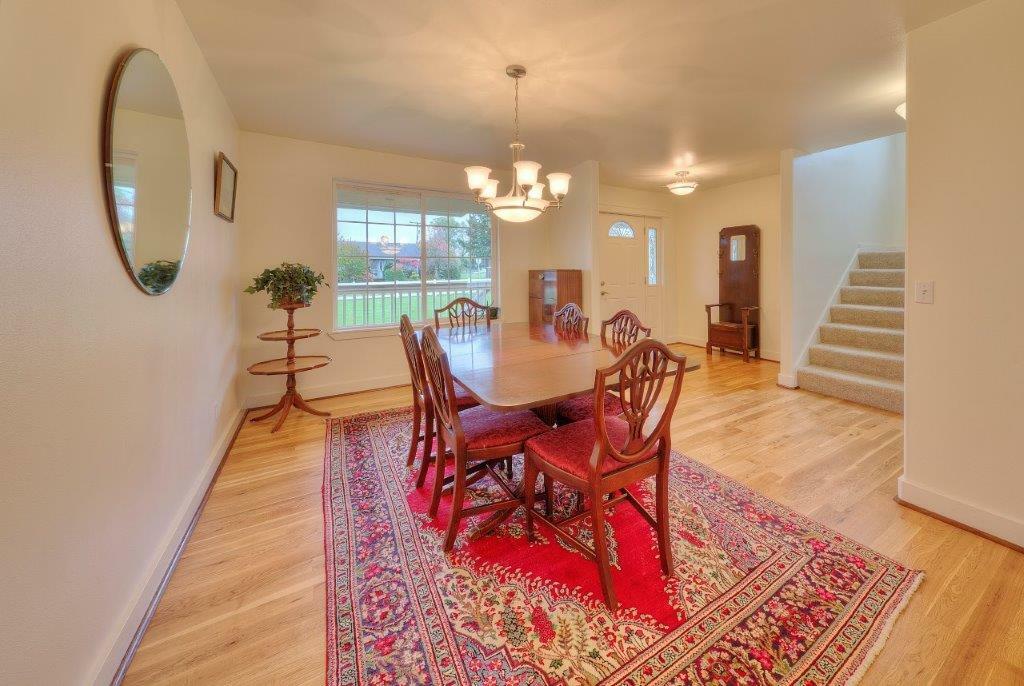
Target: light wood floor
(246,604)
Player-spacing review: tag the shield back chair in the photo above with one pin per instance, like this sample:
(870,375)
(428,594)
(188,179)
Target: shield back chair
(606,455)
(478,436)
(463,313)
(617,334)
(571,320)
(739,254)
(422,405)
(623,330)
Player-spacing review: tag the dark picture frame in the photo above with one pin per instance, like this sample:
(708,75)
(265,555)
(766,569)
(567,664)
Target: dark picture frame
(225,187)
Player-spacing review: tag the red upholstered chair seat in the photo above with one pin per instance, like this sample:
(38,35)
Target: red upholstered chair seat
(577,409)
(463,399)
(489,429)
(569,447)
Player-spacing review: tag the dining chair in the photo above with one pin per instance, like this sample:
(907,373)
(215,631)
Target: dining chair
(605,455)
(570,319)
(623,330)
(422,404)
(618,333)
(463,312)
(478,436)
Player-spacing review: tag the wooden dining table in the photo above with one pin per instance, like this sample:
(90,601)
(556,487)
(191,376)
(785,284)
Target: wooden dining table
(518,366)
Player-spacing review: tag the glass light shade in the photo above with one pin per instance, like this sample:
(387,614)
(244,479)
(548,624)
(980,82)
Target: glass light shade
(537,203)
(536,191)
(517,215)
(490,189)
(901,110)
(515,208)
(476,177)
(683,187)
(526,172)
(558,183)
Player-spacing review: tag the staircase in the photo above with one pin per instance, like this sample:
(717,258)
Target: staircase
(859,353)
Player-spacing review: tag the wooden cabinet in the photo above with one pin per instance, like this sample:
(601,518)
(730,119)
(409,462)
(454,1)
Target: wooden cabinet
(552,289)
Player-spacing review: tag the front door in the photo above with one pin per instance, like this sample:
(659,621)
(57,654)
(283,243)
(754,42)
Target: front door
(620,270)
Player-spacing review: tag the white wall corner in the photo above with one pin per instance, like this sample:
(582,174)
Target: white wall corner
(787,357)
(999,525)
(787,381)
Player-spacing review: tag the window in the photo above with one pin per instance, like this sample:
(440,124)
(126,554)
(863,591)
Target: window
(737,248)
(621,230)
(125,173)
(401,252)
(652,256)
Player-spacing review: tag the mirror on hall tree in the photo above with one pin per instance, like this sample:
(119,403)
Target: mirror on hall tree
(146,170)
(738,248)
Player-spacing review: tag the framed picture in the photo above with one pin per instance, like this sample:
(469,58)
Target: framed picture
(225,181)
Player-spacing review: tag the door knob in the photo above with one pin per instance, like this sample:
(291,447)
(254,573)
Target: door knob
(604,292)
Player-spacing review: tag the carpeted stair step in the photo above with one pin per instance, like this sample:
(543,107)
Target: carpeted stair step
(889,278)
(858,360)
(870,337)
(882,260)
(871,295)
(867,315)
(859,388)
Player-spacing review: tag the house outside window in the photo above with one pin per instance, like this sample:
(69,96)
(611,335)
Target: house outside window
(408,252)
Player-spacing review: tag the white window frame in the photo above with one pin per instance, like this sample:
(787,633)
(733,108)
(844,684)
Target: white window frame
(376,331)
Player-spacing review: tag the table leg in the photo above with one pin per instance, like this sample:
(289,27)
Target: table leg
(291,398)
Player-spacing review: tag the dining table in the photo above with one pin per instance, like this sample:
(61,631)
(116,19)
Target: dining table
(517,366)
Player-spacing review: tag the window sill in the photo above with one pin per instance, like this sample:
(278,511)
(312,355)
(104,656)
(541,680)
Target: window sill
(369,332)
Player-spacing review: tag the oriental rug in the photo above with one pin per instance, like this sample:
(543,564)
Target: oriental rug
(760,593)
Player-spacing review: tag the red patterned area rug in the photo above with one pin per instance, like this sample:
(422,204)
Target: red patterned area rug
(760,594)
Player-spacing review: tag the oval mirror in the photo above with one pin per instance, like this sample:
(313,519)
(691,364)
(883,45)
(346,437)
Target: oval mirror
(146,164)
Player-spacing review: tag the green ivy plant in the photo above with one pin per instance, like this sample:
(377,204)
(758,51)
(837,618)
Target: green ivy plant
(158,276)
(289,283)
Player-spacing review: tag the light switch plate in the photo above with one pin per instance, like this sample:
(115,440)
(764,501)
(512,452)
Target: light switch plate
(924,292)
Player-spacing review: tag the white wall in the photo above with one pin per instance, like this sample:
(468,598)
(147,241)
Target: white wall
(286,201)
(842,198)
(115,404)
(698,219)
(964,372)
(571,233)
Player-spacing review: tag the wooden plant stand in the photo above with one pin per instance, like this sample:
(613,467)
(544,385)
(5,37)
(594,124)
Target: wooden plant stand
(290,366)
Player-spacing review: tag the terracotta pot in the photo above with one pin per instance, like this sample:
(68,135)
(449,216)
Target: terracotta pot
(292,304)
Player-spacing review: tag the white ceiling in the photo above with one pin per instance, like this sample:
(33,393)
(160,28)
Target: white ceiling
(642,86)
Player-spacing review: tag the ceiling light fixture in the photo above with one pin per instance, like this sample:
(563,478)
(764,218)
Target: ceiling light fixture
(682,186)
(525,200)
(901,109)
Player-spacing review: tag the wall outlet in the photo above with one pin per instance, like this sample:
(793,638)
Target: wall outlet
(924,292)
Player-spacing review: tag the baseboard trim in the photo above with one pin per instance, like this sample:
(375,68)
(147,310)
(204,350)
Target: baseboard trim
(787,381)
(154,602)
(769,355)
(330,390)
(995,527)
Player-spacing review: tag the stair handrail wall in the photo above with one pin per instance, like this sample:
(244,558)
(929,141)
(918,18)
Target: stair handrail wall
(823,318)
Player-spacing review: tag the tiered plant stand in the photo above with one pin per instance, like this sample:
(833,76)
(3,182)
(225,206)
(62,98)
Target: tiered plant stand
(289,365)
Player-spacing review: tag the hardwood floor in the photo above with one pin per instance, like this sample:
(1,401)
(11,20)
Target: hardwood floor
(246,604)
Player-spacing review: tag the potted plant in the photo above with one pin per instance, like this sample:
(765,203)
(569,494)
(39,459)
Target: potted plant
(289,286)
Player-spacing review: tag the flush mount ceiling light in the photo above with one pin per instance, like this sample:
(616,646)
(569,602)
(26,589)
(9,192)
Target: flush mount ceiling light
(682,186)
(525,200)
(901,109)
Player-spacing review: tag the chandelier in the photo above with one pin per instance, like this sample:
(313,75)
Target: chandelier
(681,186)
(525,200)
